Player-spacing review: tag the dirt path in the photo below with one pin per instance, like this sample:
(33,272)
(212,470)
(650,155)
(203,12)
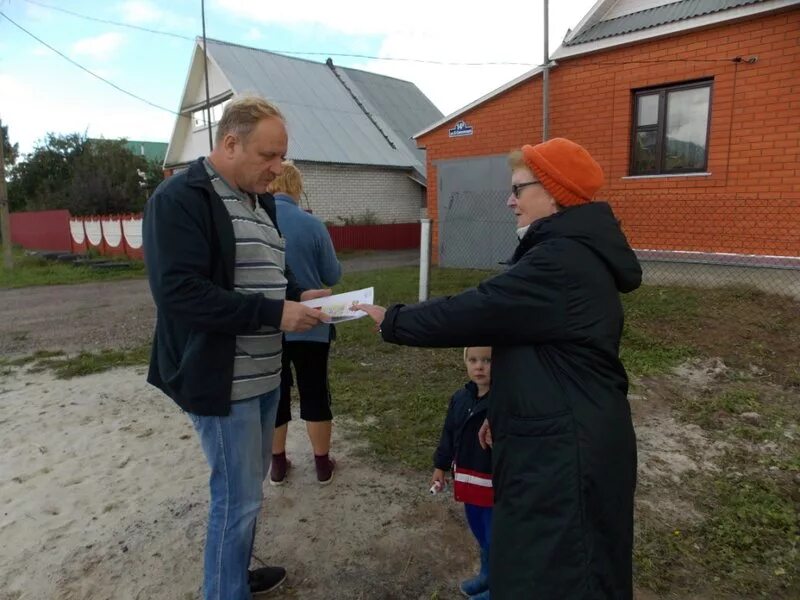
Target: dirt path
(114,314)
(104,496)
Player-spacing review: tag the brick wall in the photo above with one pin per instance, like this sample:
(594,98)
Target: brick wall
(750,202)
(349,191)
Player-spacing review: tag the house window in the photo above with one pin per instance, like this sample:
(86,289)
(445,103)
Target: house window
(670,129)
(199,116)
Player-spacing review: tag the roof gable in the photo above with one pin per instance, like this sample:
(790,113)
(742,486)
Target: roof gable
(628,17)
(334,115)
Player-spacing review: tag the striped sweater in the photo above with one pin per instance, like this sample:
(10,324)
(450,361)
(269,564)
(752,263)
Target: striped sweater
(259,269)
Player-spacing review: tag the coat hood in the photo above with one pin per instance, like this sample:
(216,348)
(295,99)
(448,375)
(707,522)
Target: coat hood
(595,226)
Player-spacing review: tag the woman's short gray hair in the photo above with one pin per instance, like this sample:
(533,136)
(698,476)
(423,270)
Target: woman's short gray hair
(242,114)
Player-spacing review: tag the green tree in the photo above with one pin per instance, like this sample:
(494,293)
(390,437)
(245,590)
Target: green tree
(38,182)
(10,151)
(84,176)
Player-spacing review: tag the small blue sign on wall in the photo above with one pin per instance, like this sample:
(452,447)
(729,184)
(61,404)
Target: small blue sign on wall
(461,129)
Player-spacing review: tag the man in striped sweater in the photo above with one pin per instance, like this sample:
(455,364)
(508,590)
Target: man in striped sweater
(224,296)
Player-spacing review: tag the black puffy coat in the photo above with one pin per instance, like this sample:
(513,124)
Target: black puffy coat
(564,447)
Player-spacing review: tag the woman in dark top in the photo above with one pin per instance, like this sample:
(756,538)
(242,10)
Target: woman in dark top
(564,449)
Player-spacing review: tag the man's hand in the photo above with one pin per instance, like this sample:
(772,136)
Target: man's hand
(298,317)
(485,435)
(312,294)
(375,312)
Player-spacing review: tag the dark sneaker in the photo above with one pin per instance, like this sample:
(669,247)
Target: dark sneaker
(265,579)
(325,471)
(474,586)
(279,469)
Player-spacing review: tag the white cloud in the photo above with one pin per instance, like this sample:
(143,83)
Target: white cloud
(96,109)
(138,12)
(145,12)
(444,30)
(99,47)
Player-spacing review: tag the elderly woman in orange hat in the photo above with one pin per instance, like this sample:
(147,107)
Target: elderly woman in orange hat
(564,449)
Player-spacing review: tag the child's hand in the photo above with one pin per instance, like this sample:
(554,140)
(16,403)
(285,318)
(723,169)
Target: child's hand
(438,479)
(485,435)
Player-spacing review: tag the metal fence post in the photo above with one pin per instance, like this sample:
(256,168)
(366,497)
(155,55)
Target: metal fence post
(424,259)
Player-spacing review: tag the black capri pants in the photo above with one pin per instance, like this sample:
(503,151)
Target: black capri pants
(310,360)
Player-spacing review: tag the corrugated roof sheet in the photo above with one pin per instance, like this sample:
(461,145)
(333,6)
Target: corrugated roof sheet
(400,103)
(653,17)
(325,122)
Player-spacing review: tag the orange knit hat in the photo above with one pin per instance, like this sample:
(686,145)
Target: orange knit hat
(567,170)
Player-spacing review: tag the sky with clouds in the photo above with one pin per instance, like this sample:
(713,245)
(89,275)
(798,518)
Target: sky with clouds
(41,92)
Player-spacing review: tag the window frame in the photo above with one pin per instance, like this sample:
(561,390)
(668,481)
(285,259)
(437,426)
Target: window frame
(660,126)
(202,110)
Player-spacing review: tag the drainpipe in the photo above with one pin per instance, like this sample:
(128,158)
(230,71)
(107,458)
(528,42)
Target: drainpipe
(546,78)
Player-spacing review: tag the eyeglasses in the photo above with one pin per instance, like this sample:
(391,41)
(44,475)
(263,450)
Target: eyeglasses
(516,187)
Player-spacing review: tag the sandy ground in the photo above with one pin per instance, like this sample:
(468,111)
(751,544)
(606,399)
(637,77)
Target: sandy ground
(103,494)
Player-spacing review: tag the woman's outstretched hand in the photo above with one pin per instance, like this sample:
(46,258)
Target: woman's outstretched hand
(375,312)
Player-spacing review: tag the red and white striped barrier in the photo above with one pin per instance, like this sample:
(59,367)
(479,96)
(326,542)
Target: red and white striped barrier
(111,228)
(111,235)
(94,233)
(132,234)
(77,235)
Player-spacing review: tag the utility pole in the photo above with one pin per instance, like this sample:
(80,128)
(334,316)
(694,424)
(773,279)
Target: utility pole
(205,73)
(5,221)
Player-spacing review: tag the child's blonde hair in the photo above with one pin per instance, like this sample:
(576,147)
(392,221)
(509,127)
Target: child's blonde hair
(466,349)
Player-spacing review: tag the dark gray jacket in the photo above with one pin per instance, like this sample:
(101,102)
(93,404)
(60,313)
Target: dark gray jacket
(189,251)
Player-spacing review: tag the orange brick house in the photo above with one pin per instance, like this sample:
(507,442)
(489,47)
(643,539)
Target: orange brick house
(692,107)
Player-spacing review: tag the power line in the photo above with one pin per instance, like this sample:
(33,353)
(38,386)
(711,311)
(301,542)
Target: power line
(366,56)
(293,52)
(107,22)
(80,66)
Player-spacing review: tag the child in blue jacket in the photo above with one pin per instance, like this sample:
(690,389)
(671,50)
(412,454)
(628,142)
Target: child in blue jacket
(460,450)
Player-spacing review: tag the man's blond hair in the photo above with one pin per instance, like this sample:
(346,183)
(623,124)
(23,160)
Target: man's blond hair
(290,181)
(242,114)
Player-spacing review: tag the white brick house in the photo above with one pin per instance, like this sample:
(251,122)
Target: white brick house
(349,130)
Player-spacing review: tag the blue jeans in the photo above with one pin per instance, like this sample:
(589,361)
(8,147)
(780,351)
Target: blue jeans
(238,449)
(479,519)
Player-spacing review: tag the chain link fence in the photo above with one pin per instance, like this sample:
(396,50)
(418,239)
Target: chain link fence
(476,230)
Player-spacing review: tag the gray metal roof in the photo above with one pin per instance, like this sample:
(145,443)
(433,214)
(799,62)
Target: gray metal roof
(400,103)
(653,17)
(352,117)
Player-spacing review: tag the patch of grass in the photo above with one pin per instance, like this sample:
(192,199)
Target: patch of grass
(34,271)
(659,554)
(645,356)
(30,358)
(746,546)
(743,326)
(708,410)
(719,410)
(86,363)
